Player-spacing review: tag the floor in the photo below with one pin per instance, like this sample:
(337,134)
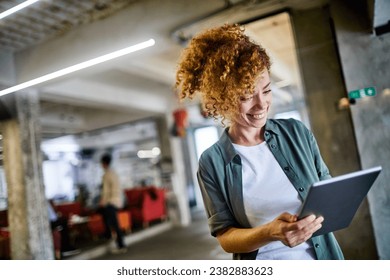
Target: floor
(163,242)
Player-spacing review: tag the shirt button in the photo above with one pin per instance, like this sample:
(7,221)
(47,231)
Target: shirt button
(286,168)
(266,133)
(273,146)
(317,245)
(301,189)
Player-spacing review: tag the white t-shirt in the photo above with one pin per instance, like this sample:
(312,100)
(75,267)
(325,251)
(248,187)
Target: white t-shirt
(267,193)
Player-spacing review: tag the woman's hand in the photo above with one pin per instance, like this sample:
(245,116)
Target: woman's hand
(285,228)
(291,231)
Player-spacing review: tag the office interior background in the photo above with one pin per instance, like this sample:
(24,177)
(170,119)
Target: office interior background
(52,134)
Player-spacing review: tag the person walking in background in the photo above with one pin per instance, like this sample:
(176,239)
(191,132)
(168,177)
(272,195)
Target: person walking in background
(110,203)
(254,179)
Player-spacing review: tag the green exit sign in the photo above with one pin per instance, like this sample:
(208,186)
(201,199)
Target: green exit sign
(355,94)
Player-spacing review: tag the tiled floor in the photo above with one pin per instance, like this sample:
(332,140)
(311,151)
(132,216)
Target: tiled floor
(164,242)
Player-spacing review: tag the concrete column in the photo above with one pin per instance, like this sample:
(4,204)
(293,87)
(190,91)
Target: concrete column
(174,172)
(366,59)
(179,182)
(324,86)
(31,236)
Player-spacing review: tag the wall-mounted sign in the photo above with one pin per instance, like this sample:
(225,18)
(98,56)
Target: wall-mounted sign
(355,94)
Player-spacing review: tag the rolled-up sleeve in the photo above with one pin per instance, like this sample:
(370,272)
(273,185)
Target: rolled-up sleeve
(218,212)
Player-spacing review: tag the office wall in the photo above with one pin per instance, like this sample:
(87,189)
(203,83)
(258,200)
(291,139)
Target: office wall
(7,69)
(333,128)
(365,62)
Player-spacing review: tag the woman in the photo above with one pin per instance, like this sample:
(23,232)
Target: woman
(254,179)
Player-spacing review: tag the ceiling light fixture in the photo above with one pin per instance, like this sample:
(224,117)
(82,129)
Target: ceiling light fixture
(79,66)
(155,152)
(17,8)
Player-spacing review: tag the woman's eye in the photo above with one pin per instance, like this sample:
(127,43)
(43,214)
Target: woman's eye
(267,91)
(243,98)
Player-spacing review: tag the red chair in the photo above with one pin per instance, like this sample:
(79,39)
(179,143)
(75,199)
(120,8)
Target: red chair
(4,218)
(5,249)
(146,204)
(96,225)
(5,252)
(57,243)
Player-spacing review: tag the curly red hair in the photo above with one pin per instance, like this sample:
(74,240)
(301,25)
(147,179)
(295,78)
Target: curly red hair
(222,64)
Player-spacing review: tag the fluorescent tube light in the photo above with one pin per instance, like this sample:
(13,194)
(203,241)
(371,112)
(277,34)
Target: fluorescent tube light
(155,152)
(17,8)
(79,66)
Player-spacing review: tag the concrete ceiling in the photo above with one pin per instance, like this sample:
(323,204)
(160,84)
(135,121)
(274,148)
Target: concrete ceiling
(54,34)
(48,19)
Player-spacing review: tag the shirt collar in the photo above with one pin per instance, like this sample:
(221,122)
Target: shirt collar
(270,126)
(227,147)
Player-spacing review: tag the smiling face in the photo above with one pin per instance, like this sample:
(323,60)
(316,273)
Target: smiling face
(254,108)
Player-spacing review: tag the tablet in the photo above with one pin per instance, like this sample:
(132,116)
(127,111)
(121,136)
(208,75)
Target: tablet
(337,199)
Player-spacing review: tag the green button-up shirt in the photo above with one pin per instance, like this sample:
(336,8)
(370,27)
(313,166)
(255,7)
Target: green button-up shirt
(220,179)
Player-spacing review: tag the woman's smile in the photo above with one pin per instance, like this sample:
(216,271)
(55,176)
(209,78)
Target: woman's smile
(257,116)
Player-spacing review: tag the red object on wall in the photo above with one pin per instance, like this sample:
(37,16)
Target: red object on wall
(181,121)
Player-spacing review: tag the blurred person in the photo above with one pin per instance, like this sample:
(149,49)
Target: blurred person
(110,203)
(61,224)
(254,179)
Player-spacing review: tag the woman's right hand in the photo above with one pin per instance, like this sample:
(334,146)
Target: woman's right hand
(285,228)
(291,231)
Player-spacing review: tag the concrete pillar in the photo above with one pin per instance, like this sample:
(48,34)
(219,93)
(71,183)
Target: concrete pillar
(366,59)
(31,236)
(179,182)
(173,173)
(324,86)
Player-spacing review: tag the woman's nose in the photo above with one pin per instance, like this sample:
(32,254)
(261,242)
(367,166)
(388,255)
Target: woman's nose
(259,99)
